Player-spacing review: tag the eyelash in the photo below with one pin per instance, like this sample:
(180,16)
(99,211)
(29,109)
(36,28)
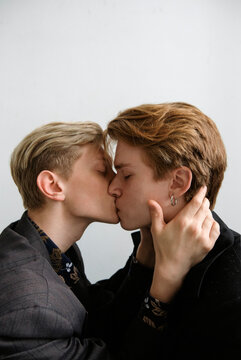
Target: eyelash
(127,177)
(103,172)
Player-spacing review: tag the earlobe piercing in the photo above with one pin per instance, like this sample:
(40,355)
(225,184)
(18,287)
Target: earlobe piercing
(173,200)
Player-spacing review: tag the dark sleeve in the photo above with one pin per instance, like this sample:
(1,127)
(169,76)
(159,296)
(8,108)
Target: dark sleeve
(214,331)
(143,335)
(113,303)
(111,311)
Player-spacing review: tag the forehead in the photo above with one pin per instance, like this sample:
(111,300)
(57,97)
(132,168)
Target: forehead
(92,153)
(127,154)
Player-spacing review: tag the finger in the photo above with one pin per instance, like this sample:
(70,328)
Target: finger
(210,232)
(214,233)
(207,224)
(157,220)
(194,205)
(203,212)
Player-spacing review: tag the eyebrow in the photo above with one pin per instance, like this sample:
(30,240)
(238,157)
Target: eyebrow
(121,165)
(100,159)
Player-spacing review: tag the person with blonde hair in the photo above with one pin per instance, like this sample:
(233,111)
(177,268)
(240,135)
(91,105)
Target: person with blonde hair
(165,153)
(48,308)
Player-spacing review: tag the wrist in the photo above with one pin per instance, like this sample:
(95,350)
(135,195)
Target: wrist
(172,270)
(154,313)
(165,285)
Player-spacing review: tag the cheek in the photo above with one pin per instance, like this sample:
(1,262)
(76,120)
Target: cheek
(98,182)
(135,200)
(150,192)
(134,193)
(101,186)
(99,192)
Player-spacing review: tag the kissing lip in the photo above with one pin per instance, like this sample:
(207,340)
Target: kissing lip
(117,209)
(117,212)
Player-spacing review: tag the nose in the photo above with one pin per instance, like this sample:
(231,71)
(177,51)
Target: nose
(114,187)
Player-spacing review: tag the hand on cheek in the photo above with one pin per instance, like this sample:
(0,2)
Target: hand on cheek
(180,244)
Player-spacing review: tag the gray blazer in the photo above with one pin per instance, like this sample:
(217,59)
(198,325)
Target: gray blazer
(41,318)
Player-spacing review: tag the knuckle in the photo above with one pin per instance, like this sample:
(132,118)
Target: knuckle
(206,203)
(216,226)
(207,247)
(210,215)
(216,230)
(183,223)
(205,244)
(193,229)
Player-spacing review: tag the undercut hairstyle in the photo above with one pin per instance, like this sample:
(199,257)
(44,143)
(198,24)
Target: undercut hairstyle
(54,147)
(173,135)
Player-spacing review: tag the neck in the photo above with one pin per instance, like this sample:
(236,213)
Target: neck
(62,229)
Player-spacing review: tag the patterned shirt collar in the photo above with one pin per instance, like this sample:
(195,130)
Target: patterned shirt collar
(60,262)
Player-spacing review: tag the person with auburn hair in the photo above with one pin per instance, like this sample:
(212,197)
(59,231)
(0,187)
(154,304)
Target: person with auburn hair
(165,153)
(48,308)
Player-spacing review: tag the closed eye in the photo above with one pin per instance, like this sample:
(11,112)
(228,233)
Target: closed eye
(103,172)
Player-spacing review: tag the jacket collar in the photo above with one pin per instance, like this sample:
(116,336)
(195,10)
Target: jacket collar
(23,234)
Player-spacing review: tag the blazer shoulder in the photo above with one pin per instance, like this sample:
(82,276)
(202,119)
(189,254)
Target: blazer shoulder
(34,293)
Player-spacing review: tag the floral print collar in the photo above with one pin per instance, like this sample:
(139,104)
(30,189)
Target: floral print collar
(60,262)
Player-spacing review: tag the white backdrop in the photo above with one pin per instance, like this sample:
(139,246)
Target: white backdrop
(71,60)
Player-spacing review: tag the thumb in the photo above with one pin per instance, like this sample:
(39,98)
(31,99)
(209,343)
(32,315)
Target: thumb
(157,220)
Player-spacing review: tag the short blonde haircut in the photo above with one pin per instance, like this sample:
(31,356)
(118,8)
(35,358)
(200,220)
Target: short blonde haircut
(54,146)
(173,135)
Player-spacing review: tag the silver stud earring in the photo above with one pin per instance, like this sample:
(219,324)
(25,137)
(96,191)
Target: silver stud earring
(173,200)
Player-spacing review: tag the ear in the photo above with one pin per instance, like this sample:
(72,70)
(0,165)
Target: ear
(50,185)
(180,181)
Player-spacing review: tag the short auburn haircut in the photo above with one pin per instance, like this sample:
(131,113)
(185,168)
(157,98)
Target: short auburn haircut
(55,147)
(173,135)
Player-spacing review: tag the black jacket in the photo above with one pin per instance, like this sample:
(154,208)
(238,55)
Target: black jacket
(205,318)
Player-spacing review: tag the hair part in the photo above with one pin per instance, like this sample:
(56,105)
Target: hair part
(54,147)
(173,135)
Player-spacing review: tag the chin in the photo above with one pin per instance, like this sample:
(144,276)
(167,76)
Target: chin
(112,220)
(116,221)
(105,217)
(128,227)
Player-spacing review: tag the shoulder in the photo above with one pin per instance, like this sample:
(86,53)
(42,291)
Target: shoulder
(32,294)
(20,242)
(30,290)
(217,277)
(223,274)
(225,258)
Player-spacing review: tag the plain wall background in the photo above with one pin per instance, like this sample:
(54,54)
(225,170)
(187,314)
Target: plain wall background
(71,60)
